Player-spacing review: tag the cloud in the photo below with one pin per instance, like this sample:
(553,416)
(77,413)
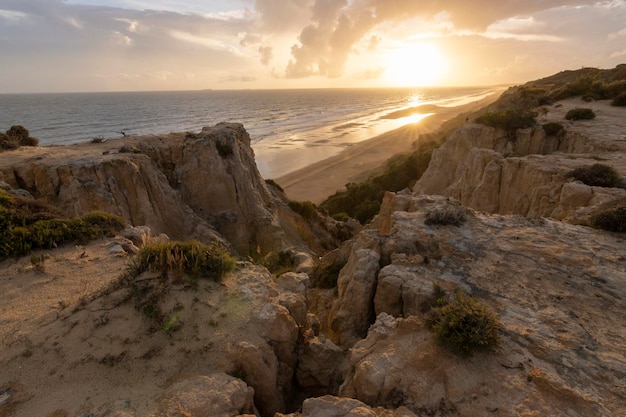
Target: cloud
(617,54)
(267,53)
(370,74)
(615,35)
(12,16)
(280,16)
(338,25)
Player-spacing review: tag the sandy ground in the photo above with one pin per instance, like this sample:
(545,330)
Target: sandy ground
(318,181)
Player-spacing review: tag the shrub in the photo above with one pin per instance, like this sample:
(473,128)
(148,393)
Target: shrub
(619,100)
(362,200)
(18,133)
(304,208)
(580,113)
(449,215)
(280,262)
(612,220)
(325,273)
(598,175)
(552,128)
(465,326)
(192,258)
(18,236)
(508,120)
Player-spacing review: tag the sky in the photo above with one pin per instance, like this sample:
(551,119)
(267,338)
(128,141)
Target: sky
(149,45)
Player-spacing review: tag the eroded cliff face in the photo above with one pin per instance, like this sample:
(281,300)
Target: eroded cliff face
(528,174)
(189,186)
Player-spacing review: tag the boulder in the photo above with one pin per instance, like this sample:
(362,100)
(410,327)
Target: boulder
(216,395)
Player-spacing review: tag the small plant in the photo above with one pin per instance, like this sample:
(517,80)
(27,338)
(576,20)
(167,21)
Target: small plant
(38,263)
(224,149)
(598,175)
(612,220)
(619,100)
(304,208)
(274,184)
(552,128)
(279,263)
(465,326)
(325,273)
(580,113)
(449,215)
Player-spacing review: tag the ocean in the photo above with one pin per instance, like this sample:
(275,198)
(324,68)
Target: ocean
(305,125)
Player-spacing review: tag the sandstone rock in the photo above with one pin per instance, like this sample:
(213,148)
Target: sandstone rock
(329,406)
(321,366)
(218,395)
(181,186)
(527,175)
(351,313)
(556,287)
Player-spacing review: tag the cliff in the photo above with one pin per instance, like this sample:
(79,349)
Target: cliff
(78,337)
(527,174)
(189,186)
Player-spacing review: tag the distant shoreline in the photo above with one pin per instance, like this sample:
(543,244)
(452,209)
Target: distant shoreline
(317,181)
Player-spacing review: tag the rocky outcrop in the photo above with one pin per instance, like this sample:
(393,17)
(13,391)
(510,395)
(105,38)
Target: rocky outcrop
(184,185)
(528,174)
(557,288)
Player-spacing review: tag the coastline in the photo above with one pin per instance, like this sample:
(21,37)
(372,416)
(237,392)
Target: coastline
(317,181)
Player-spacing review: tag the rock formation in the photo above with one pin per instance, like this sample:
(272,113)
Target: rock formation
(528,174)
(557,288)
(188,186)
(265,345)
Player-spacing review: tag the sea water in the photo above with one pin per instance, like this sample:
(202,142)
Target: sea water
(318,122)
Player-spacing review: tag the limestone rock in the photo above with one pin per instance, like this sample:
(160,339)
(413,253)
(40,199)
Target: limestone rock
(217,395)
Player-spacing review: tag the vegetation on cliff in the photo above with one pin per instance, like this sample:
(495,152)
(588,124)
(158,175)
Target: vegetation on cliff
(598,175)
(28,224)
(15,137)
(465,326)
(362,200)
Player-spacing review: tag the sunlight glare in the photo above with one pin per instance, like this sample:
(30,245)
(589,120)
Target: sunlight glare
(415,65)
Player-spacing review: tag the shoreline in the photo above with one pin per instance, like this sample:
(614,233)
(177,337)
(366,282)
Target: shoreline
(319,180)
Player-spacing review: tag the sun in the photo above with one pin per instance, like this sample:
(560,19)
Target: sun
(415,64)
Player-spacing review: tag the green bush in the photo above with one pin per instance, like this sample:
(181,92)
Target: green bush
(18,236)
(325,273)
(362,200)
(580,113)
(454,215)
(280,262)
(619,100)
(465,326)
(612,220)
(552,128)
(598,175)
(508,120)
(304,208)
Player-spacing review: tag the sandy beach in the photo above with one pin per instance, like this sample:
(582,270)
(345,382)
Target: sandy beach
(317,181)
